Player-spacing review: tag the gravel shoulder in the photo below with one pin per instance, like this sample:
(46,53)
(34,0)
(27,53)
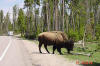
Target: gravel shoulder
(45,59)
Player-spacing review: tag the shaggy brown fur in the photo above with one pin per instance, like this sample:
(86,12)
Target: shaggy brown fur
(56,38)
(65,37)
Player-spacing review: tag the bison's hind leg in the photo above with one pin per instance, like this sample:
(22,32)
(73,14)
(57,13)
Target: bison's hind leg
(45,46)
(68,51)
(40,44)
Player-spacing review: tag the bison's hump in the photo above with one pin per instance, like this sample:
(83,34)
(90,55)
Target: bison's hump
(55,35)
(62,33)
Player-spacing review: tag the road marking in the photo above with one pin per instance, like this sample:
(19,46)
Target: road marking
(5,51)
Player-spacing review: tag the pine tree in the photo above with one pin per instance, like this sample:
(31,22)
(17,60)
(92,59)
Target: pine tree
(21,22)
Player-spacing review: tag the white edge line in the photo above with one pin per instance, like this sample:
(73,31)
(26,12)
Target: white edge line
(5,51)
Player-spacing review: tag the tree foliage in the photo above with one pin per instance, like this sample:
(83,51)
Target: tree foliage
(78,18)
(21,21)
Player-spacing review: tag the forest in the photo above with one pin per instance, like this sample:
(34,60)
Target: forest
(79,19)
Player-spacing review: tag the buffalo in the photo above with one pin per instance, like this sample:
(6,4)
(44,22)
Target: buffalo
(56,38)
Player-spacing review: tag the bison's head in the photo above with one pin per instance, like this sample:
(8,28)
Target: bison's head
(69,44)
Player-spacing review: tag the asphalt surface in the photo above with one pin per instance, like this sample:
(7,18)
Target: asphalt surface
(15,51)
(12,52)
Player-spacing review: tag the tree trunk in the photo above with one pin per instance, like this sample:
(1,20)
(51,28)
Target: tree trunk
(67,27)
(95,20)
(63,3)
(56,14)
(79,24)
(47,15)
(73,20)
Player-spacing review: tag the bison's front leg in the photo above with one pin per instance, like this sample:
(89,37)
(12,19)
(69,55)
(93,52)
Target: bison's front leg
(68,51)
(40,44)
(45,46)
(59,50)
(54,48)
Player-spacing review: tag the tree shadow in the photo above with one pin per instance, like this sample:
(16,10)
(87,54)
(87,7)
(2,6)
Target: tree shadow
(66,53)
(46,53)
(39,53)
(22,38)
(93,64)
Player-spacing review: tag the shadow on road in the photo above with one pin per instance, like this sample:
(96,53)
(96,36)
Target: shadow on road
(39,53)
(46,53)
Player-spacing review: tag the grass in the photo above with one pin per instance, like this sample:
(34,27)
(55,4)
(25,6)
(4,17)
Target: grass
(89,48)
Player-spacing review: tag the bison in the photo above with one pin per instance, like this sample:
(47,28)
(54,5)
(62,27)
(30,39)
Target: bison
(56,38)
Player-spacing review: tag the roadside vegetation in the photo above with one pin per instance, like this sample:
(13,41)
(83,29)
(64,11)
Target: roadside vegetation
(81,59)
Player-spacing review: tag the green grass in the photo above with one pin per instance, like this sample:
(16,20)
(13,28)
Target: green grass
(89,48)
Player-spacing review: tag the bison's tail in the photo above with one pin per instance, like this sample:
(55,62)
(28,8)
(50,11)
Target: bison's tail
(40,38)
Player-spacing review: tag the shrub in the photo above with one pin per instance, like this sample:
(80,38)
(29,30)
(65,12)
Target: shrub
(74,35)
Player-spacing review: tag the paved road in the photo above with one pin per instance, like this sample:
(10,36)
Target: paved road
(12,52)
(17,52)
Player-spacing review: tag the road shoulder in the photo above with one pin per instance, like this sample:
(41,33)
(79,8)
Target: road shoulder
(45,59)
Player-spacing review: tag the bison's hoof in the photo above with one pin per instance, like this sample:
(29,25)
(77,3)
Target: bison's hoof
(69,53)
(61,54)
(52,53)
(40,52)
(49,52)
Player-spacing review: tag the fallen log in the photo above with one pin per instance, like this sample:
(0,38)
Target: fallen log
(89,54)
(84,54)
